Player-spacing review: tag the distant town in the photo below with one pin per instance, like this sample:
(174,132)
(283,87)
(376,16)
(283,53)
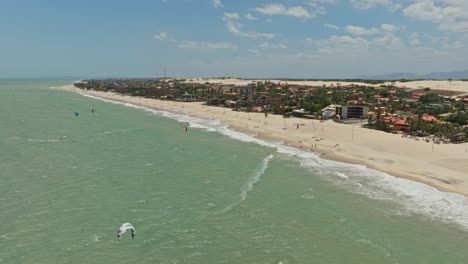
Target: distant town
(439,116)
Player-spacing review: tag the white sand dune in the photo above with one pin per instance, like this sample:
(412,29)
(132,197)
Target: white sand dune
(458,86)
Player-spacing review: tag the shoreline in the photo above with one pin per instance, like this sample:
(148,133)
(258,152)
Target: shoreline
(445,169)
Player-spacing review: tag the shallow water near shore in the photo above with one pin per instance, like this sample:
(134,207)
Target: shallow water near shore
(210,195)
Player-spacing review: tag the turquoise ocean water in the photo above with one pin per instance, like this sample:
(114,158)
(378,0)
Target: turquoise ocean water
(207,196)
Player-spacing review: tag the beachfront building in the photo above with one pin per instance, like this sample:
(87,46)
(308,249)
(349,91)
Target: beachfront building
(186,97)
(355,111)
(329,111)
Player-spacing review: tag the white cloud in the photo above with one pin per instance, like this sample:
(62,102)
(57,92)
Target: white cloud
(424,11)
(331,26)
(250,17)
(163,36)
(390,28)
(339,41)
(217,4)
(450,15)
(231,16)
(318,4)
(368,4)
(194,45)
(279,9)
(386,39)
(254,51)
(314,2)
(382,29)
(414,39)
(267,45)
(235,28)
(389,41)
(458,26)
(361,31)
(447,42)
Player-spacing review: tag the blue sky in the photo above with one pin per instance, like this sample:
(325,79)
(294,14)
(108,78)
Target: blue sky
(237,38)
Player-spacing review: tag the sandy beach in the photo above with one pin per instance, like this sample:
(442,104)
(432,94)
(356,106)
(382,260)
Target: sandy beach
(443,166)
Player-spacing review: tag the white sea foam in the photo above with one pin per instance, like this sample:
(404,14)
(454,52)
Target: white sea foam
(117,131)
(342,175)
(43,140)
(414,197)
(251,181)
(10,138)
(96,238)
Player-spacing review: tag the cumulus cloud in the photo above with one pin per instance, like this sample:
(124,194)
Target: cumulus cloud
(231,16)
(361,31)
(369,4)
(315,2)
(382,29)
(381,42)
(389,41)
(425,10)
(414,39)
(331,26)
(267,45)
(390,28)
(250,17)
(335,40)
(217,4)
(163,36)
(455,26)
(450,15)
(279,9)
(194,45)
(236,29)
(191,45)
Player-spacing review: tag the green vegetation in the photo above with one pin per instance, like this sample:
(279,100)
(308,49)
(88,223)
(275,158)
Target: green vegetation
(424,112)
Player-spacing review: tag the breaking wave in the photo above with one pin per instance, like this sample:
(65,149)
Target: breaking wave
(248,186)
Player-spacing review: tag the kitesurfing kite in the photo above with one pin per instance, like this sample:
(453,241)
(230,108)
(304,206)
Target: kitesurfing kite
(124,228)
(77,114)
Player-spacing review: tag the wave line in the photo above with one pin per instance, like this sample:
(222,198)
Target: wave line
(248,186)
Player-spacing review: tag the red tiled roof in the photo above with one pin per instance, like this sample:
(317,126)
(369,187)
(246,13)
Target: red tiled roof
(402,122)
(429,118)
(390,119)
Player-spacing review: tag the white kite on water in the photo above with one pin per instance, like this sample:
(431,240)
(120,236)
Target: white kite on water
(124,228)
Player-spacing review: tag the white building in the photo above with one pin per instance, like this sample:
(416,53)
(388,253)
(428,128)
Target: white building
(354,111)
